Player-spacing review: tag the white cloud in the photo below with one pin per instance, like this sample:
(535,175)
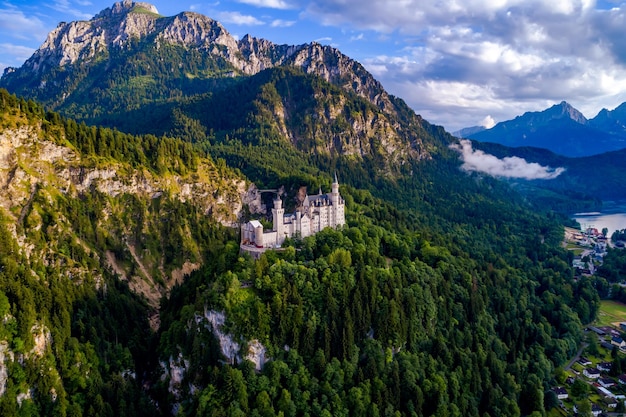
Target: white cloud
(66,7)
(488,122)
(279,23)
(498,57)
(237,18)
(272,4)
(508,167)
(358,37)
(324,39)
(15,23)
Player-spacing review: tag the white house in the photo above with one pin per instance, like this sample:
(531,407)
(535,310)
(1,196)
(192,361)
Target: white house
(596,410)
(606,382)
(618,341)
(561,393)
(591,373)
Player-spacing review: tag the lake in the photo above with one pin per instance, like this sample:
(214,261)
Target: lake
(611,220)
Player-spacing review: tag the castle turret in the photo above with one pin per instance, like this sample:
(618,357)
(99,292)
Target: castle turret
(334,195)
(278,217)
(335,217)
(258,237)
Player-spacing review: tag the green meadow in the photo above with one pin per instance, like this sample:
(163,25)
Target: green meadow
(611,312)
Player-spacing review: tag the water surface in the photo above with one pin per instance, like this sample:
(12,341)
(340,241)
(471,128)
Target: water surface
(599,220)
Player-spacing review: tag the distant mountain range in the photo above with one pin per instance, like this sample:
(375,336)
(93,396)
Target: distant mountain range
(561,129)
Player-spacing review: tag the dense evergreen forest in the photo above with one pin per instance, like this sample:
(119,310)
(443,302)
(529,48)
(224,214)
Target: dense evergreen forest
(443,295)
(75,340)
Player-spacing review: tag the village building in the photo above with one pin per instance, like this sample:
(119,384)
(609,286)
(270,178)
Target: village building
(596,410)
(606,345)
(316,213)
(596,330)
(610,402)
(561,393)
(606,382)
(618,341)
(591,373)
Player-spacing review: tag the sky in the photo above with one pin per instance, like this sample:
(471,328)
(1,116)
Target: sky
(458,63)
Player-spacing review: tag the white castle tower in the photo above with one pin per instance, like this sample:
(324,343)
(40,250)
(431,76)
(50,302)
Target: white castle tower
(336,218)
(278,217)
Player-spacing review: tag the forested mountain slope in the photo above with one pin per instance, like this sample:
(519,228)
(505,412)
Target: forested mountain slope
(599,177)
(443,295)
(456,309)
(85,214)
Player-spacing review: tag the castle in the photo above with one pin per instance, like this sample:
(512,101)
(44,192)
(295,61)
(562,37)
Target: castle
(316,213)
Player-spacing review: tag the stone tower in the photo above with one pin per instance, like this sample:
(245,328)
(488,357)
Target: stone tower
(334,200)
(278,217)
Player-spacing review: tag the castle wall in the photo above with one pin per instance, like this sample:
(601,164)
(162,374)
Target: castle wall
(318,212)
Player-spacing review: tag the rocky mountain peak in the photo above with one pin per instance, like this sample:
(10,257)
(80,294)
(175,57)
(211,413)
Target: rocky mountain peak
(560,111)
(194,29)
(564,109)
(613,121)
(77,41)
(94,48)
(125,7)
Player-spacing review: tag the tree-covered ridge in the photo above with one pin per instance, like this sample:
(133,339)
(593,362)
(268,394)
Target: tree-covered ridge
(160,154)
(586,182)
(377,320)
(138,204)
(75,340)
(443,295)
(282,121)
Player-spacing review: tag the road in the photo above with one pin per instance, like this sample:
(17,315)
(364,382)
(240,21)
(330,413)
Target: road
(575,358)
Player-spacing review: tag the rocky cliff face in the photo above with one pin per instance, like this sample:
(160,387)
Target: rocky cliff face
(78,41)
(38,173)
(26,161)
